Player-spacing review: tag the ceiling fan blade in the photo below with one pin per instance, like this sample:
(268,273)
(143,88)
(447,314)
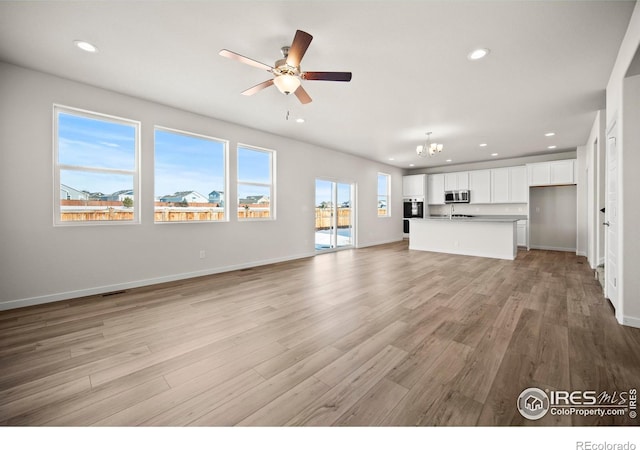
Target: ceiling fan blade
(302,95)
(243,59)
(258,87)
(298,48)
(327,76)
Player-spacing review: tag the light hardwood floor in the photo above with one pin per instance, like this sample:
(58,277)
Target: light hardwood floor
(375,336)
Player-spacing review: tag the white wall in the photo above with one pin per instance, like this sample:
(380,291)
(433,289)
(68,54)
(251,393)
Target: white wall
(629,181)
(42,263)
(582,201)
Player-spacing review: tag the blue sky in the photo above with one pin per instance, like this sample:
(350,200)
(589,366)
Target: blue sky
(98,144)
(94,143)
(382,184)
(182,162)
(324,191)
(187,163)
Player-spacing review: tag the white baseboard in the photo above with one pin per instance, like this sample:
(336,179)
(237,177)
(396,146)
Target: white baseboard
(555,249)
(581,253)
(31,301)
(631,321)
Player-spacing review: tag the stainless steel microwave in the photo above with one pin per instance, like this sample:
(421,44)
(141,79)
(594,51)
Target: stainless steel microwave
(461,196)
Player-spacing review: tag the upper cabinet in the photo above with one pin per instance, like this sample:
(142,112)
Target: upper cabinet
(562,172)
(539,174)
(435,189)
(413,186)
(518,186)
(480,186)
(509,185)
(500,185)
(456,181)
(551,173)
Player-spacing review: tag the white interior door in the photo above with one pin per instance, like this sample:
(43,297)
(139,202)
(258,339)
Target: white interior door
(611,221)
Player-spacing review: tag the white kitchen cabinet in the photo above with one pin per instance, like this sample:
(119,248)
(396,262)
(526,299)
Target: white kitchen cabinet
(562,172)
(551,173)
(500,185)
(509,185)
(455,181)
(480,186)
(413,186)
(539,174)
(518,186)
(435,189)
(450,181)
(522,233)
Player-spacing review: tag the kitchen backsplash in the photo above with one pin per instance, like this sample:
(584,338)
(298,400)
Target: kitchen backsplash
(516,209)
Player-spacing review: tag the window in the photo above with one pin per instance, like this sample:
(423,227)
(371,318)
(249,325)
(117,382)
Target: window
(255,183)
(190,177)
(96,168)
(384,189)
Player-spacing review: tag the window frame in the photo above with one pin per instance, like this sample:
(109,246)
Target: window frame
(225,162)
(271,186)
(57,167)
(388,194)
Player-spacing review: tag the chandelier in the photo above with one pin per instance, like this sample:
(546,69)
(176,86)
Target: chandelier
(428,148)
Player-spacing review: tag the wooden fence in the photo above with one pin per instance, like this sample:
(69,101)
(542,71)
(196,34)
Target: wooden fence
(323,216)
(109,214)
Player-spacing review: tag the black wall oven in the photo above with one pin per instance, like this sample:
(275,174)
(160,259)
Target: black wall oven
(413,208)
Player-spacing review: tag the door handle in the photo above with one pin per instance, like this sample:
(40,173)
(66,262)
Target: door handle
(606,224)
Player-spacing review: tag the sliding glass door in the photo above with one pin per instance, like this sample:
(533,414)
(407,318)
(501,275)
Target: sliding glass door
(334,215)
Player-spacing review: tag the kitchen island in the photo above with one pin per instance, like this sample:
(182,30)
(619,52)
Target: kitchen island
(487,236)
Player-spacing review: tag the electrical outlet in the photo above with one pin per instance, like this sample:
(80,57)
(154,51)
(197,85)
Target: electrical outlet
(202,254)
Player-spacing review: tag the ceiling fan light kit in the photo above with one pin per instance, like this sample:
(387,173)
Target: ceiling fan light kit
(287,83)
(287,74)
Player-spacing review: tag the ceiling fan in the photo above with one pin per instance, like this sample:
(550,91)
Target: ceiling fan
(286,71)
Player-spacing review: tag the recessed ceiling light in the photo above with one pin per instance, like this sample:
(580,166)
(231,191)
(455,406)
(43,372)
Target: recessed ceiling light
(86,46)
(483,145)
(549,134)
(299,120)
(449,160)
(478,53)
(551,147)
(392,159)
(411,165)
(494,154)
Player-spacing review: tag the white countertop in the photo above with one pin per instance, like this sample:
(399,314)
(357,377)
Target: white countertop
(478,218)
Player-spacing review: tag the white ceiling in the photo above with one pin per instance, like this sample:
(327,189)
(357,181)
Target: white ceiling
(547,70)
